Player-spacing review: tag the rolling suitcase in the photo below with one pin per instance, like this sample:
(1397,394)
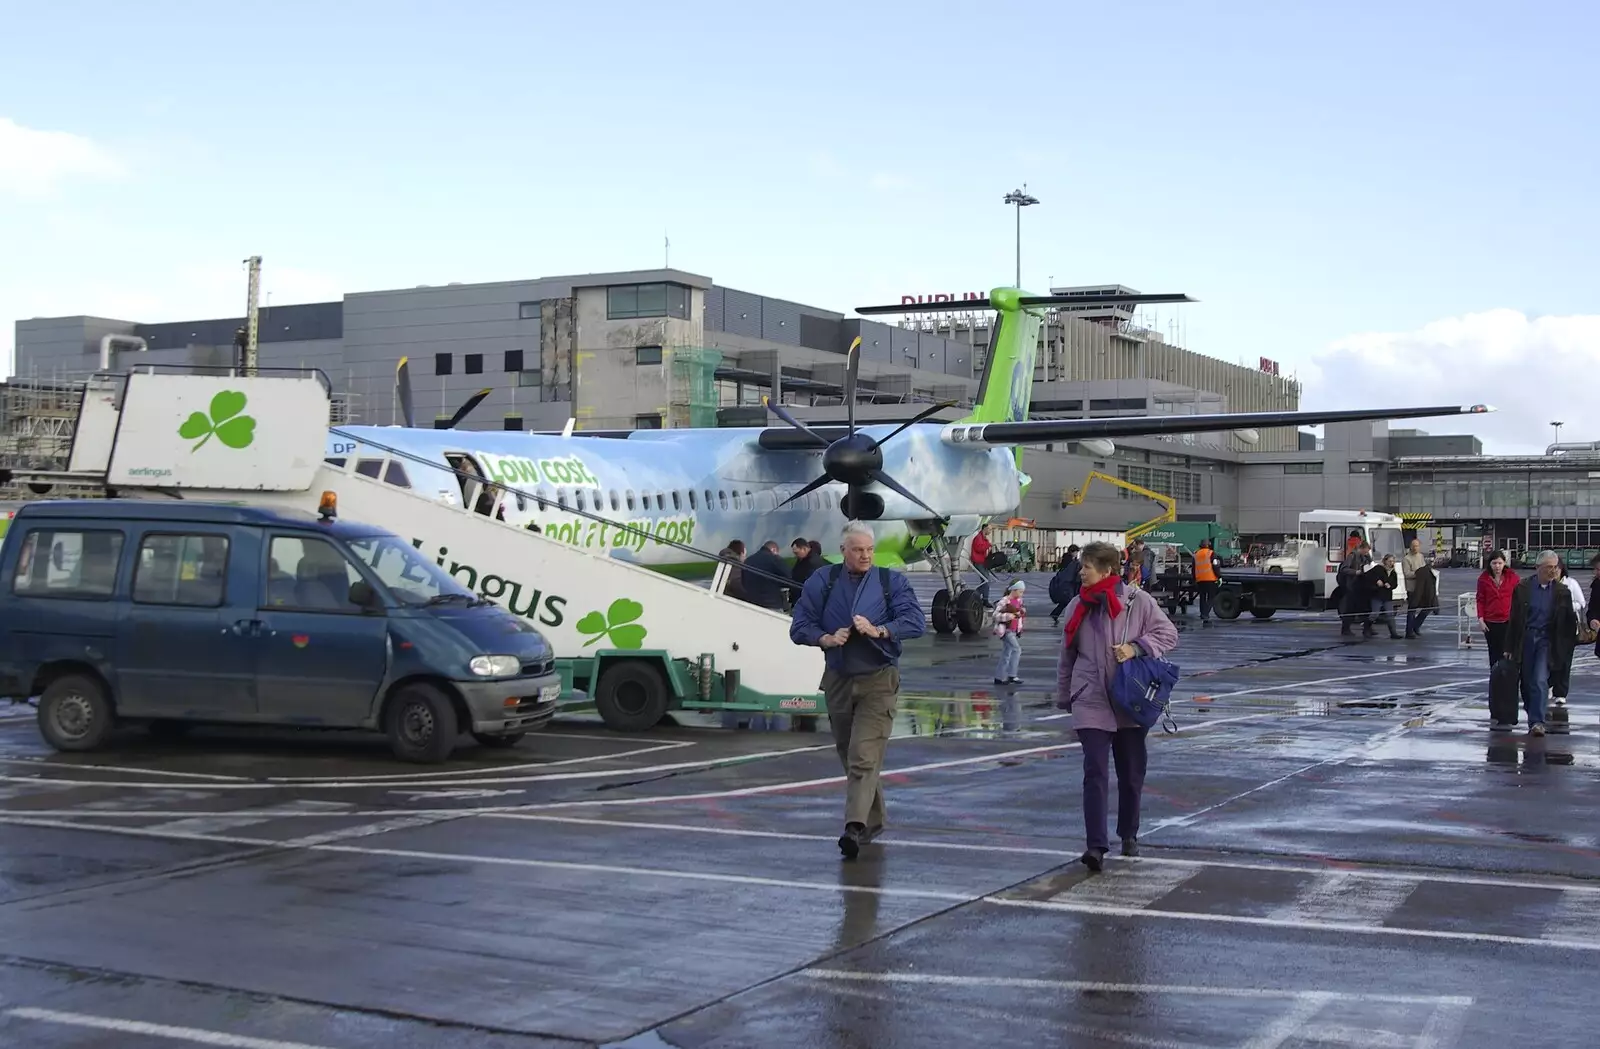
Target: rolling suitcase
(1504,693)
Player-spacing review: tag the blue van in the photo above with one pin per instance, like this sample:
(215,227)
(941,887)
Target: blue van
(176,612)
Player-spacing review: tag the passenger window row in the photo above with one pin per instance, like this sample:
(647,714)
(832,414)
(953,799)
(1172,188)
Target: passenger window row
(182,569)
(595,500)
(395,474)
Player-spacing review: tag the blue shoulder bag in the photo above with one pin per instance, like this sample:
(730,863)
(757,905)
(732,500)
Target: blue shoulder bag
(1142,686)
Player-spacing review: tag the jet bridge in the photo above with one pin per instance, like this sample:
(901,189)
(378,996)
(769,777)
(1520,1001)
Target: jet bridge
(636,642)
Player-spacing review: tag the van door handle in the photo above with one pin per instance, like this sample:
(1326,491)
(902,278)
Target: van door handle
(247,628)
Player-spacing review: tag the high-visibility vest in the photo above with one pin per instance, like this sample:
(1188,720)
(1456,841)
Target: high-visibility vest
(1204,570)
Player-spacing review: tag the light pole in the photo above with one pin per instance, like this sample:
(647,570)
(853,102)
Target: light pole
(1021,199)
(1557,427)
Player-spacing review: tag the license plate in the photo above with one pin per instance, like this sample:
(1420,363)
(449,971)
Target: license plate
(549,694)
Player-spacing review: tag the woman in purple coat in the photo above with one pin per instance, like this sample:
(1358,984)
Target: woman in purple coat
(1107,623)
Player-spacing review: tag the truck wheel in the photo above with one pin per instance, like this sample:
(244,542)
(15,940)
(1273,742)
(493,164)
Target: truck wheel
(631,696)
(499,742)
(1228,605)
(421,725)
(944,617)
(1275,570)
(969,612)
(75,713)
(1262,613)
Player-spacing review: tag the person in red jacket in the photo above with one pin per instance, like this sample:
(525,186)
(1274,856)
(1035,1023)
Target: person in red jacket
(980,547)
(1495,587)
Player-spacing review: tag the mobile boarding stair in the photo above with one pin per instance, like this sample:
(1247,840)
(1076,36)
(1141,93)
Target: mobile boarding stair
(636,642)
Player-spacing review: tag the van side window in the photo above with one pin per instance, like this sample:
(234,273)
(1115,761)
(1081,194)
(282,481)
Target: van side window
(71,564)
(181,570)
(307,572)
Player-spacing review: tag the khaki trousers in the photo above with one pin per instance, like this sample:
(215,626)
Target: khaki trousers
(861,713)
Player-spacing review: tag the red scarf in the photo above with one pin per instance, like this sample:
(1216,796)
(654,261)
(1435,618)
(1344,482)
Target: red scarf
(1101,593)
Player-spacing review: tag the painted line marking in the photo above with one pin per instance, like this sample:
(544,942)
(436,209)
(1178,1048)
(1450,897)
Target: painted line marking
(177,1034)
(1130,886)
(497,770)
(1297,685)
(1346,895)
(948,896)
(1094,987)
(45,763)
(649,770)
(1287,1026)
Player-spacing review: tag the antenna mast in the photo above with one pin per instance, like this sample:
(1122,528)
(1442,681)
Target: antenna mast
(252,318)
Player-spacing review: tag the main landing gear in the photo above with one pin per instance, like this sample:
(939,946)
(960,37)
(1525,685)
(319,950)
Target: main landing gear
(955,607)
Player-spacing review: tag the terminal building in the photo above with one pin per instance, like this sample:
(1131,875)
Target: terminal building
(667,348)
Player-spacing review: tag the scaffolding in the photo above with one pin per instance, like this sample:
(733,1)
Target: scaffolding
(692,387)
(37,420)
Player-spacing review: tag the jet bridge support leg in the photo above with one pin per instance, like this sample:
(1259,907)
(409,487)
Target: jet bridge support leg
(955,607)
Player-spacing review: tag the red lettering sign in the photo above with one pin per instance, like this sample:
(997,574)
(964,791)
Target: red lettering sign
(966,296)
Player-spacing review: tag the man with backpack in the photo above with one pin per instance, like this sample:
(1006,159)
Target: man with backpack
(859,616)
(1066,583)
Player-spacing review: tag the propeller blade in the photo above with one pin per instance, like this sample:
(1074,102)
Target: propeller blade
(853,356)
(783,413)
(807,490)
(402,382)
(895,486)
(466,409)
(926,413)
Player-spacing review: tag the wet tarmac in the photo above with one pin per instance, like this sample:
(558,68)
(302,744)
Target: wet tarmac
(1335,852)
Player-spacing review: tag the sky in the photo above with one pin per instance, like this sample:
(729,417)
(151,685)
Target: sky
(1394,201)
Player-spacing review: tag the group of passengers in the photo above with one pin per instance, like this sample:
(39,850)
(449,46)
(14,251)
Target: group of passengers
(1537,624)
(1371,589)
(764,578)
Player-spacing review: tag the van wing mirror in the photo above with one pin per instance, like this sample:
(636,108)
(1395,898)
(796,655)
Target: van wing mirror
(363,595)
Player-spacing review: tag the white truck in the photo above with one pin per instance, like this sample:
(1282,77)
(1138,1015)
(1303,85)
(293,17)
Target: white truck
(1326,537)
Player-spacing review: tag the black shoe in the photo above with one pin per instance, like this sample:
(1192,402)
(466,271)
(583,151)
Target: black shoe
(1094,859)
(1130,846)
(850,840)
(1013,681)
(999,680)
(1412,636)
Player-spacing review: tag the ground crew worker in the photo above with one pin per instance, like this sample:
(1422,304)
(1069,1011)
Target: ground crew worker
(1205,579)
(859,616)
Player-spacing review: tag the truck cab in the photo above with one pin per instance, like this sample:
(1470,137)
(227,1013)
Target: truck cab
(139,611)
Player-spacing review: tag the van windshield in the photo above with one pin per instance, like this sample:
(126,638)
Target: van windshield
(411,577)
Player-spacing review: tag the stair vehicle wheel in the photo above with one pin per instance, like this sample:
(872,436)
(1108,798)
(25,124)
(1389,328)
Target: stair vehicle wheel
(944,615)
(631,696)
(969,611)
(505,742)
(1228,604)
(1262,613)
(75,713)
(421,725)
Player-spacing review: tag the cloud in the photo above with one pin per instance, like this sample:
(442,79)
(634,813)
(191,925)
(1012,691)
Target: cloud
(884,182)
(34,163)
(1530,368)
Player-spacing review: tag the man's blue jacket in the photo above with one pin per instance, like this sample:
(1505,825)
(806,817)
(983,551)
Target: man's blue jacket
(848,598)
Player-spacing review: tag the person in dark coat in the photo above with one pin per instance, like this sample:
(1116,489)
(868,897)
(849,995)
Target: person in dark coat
(807,559)
(1066,583)
(1381,580)
(1542,633)
(1354,601)
(767,578)
(734,587)
(1421,601)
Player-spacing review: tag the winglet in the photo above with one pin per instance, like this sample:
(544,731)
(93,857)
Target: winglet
(1479,409)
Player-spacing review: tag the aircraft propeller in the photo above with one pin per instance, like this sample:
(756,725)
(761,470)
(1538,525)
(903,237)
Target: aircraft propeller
(856,459)
(402,382)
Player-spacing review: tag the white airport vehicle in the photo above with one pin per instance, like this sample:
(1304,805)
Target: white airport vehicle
(1325,538)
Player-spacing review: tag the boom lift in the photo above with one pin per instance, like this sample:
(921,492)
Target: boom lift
(1168,514)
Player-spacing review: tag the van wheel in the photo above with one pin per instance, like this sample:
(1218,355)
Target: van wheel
(498,742)
(75,713)
(421,725)
(631,696)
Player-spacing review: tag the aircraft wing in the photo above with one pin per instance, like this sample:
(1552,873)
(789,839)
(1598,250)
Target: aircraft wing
(1038,431)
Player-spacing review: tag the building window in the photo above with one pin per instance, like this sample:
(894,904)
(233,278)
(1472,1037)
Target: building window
(68,564)
(647,421)
(528,378)
(513,360)
(1302,468)
(526,311)
(632,301)
(1360,468)
(474,364)
(442,364)
(647,355)
(181,570)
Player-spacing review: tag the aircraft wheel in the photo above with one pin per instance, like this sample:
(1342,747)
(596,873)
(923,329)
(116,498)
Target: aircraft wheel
(969,611)
(944,616)
(1228,604)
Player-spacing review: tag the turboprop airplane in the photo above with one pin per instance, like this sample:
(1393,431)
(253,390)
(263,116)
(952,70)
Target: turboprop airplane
(667,498)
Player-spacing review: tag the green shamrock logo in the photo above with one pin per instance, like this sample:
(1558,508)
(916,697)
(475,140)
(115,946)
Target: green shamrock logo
(225,423)
(617,622)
